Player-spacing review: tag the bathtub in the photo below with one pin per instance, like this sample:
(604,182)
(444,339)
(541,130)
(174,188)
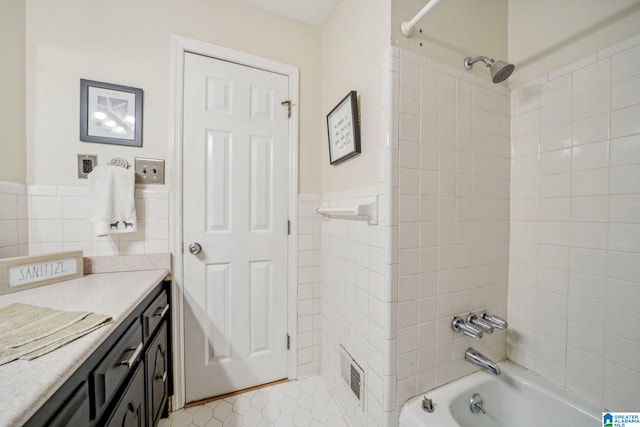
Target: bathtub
(516,398)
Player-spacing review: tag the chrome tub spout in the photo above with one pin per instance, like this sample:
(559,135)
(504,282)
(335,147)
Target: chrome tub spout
(477,358)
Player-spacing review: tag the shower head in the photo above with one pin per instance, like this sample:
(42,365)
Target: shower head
(500,70)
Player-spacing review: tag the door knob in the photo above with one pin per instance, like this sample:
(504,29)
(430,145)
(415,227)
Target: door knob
(195,248)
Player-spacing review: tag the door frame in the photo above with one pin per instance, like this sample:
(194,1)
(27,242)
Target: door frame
(180,46)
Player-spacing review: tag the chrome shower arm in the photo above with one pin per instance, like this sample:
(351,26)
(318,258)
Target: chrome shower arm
(500,70)
(468,61)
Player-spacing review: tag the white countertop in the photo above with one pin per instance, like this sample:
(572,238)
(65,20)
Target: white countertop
(27,385)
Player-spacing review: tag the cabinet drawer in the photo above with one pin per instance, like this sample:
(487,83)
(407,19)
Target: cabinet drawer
(76,411)
(154,314)
(130,411)
(116,366)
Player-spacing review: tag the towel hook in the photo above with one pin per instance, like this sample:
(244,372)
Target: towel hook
(119,161)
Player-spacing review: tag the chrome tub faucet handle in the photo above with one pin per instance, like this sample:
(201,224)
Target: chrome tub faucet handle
(459,325)
(497,321)
(484,325)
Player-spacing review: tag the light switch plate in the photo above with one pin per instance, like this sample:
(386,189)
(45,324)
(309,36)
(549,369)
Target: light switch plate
(149,171)
(86,163)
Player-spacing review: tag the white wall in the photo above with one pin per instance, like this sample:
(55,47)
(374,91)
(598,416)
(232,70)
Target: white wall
(452,173)
(12,88)
(574,267)
(546,35)
(353,41)
(129,43)
(453,30)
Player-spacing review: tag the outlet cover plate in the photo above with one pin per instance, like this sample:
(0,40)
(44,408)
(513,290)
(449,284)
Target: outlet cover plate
(86,163)
(149,171)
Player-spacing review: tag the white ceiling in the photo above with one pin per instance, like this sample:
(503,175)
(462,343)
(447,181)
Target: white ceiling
(314,12)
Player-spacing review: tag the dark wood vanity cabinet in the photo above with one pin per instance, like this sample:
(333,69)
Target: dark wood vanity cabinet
(125,382)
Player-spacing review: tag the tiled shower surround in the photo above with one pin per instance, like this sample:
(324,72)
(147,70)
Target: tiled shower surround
(452,217)
(574,266)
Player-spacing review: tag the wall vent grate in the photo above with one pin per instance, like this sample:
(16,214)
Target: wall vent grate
(353,375)
(355,381)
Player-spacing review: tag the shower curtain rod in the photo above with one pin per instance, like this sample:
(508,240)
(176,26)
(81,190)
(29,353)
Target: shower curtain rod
(408,27)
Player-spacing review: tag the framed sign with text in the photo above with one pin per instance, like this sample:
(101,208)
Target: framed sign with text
(343,127)
(27,272)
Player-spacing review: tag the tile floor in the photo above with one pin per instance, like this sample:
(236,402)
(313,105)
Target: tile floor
(307,403)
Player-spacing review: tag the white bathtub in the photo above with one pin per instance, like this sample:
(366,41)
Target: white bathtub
(516,398)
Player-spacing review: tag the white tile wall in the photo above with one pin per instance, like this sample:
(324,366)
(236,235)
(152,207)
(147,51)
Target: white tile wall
(452,216)
(574,280)
(309,286)
(14,235)
(355,306)
(60,219)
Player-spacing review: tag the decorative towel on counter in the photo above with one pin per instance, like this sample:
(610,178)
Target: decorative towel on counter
(112,197)
(29,331)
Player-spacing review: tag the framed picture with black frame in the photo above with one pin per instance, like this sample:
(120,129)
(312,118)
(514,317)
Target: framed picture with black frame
(110,114)
(343,127)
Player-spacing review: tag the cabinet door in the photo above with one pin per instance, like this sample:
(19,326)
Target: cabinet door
(157,364)
(130,411)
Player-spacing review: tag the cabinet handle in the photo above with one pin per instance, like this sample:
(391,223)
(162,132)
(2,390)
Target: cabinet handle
(161,312)
(129,362)
(162,377)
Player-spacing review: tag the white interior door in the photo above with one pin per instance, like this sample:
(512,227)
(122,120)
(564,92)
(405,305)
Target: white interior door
(235,199)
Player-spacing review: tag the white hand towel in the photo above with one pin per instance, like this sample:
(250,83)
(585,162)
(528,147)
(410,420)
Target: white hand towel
(111,194)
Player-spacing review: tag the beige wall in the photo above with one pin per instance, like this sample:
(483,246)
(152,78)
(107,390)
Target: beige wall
(354,40)
(129,43)
(545,35)
(453,30)
(12,90)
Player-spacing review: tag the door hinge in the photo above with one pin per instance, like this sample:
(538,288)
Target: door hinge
(288,342)
(288,104)
(288,227)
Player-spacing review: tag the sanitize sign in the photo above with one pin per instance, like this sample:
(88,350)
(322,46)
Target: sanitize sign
(30,273)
